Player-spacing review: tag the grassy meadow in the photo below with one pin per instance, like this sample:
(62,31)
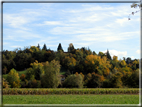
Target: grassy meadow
(71,99)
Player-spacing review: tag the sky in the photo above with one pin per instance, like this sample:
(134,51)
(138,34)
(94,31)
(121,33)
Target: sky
(97,26)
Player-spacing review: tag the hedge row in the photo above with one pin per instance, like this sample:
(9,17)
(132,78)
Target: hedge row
(43,91)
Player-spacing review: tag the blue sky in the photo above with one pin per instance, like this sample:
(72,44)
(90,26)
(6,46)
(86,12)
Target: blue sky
(99,26)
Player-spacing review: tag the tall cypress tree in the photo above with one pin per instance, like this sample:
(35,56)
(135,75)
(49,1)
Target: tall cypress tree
(108,55)
(60,47)
(38,46)
(44,47)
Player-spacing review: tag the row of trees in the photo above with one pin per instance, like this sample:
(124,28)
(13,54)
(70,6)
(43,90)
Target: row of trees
(84,68)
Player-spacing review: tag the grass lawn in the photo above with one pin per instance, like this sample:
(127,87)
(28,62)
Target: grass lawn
(71,99)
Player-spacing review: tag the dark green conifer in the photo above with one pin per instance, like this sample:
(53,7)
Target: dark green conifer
(44,47)
(38,46)
(60,47)
(108,55)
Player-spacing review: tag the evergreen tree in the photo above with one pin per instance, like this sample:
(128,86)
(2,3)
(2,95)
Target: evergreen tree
(44,47)
(94,53)
(108,55)
(38,46)
(60,47)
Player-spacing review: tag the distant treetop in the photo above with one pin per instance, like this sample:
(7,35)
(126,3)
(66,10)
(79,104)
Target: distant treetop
(60,47)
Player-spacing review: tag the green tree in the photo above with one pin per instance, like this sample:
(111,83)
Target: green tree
(123,63)
(69,63)
(73,81)
(51,77)
(13,78)
(108,55)
(60,47)
(101,54)
(38,46)
(30,74)
(44,47)
(116,80)
(94,53)
(37,69)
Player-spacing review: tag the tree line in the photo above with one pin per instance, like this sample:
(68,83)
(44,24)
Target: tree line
(84,68)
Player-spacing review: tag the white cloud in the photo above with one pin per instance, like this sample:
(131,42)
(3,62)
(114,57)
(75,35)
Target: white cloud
(117,53)
(132,57)
(138,51)
(50,23)
(122,21)
(14,20)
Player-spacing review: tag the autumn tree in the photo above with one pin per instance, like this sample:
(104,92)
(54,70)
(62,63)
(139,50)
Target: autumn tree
(69,63)
(13,78)
(95,81)
(5,84)
(71,47)
(35,71)
(123,63)
(97,64)
(115,62)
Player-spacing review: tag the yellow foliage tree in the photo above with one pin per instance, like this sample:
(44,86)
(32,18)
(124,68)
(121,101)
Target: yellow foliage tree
(38,69)
(13,78)
(97,64)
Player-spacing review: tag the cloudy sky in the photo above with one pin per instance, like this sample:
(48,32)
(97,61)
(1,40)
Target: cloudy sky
(99,26)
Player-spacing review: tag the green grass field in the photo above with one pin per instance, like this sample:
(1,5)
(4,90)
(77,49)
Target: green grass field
(71,99)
